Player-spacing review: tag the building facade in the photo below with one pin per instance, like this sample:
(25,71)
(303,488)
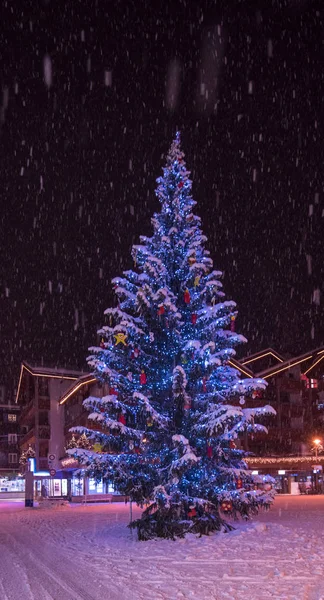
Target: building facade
(292,451)
(51,403)
(41,420)
(9,435)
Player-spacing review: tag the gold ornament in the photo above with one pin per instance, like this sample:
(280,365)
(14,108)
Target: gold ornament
(120,339)
(197,281)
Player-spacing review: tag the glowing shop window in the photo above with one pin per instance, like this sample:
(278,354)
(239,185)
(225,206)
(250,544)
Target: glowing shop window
(77,486)
(55,488)
(64,487)
(95,487)
(312,383)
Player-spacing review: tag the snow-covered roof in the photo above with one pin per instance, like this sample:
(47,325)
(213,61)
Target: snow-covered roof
(76,385)
(306,361)
(248,360)
(43,371)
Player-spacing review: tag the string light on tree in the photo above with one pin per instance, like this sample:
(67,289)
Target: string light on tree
(169,424)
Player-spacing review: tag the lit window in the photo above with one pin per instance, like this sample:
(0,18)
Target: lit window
(312,383)
(12,418)
(12,458)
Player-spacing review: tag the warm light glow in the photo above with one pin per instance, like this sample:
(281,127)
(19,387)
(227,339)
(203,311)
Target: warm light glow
(246,362)
(287,367)
(316,442)
(76,388)
(259,460)
(239,369)
(314,365)
(40,375)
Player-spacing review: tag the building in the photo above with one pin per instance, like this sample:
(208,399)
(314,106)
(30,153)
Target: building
(9,435)
(296,391)
(51,403)
(41,420)
(9,445)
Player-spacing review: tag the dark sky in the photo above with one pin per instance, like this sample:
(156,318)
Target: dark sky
(91,96)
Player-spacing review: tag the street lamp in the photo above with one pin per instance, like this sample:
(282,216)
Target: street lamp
(317,446)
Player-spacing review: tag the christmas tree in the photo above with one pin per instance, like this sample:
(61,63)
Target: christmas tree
(26,454)
(173,412)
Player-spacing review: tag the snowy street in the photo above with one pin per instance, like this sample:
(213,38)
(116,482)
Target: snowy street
(87,553)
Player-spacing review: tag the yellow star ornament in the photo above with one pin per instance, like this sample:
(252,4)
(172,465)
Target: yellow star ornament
(120,339)
(97,447)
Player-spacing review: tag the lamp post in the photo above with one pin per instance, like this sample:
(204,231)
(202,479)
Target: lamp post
(317,447)
(316,443)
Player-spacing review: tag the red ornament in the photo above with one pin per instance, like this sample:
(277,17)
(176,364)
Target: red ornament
(232,323)
(239,484)
(186,296)
(122,419)
(209,450)
(204,384)
(180,185)
(135,353)
(161,310)
(102,343)
(143,378)
(113,392)
(226,506)
(187,403)
(232,445)
(194,319)
(192,512)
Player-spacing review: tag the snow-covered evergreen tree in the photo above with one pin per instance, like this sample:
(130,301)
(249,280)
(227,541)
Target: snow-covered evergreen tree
(170,415)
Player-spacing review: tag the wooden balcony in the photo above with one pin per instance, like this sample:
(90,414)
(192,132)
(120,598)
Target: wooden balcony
(27,412)
(44,432)
(27,437)
(44,403)
(43,463)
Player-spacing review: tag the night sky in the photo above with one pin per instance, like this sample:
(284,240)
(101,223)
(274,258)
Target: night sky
(91,96)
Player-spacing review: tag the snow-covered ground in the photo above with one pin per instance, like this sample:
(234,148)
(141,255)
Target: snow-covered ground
(87,553)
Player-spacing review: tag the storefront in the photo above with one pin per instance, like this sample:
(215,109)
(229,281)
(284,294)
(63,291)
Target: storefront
(293,475)
(83,487)
(79,487)
(50,488)
(12,488)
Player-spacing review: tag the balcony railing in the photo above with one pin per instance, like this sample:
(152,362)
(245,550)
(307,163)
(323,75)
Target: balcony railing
(29,408)
(25,438)
(43,463)
(44,432)
(44,403)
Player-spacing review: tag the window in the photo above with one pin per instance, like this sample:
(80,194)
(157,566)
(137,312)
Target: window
(12,418)
(95,487)
(12,438)
(312,383)
(12,458)
(43,386)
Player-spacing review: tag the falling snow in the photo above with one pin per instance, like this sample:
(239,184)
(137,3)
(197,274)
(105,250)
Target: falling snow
(87,553)
(90,99)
